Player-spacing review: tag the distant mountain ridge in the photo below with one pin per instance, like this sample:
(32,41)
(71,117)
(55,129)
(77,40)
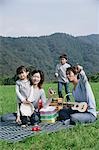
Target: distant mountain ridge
(43,52)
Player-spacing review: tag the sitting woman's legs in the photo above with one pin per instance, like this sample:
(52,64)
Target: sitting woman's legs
(82,117)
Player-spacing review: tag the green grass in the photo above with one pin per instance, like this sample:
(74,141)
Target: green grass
(80,137)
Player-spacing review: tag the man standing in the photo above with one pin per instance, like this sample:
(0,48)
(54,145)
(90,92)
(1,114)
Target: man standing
(60,74)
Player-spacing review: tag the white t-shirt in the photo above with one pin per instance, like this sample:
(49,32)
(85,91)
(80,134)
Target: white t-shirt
(61,72)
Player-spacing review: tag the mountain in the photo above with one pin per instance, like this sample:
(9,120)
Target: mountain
(43,53)
(93,38)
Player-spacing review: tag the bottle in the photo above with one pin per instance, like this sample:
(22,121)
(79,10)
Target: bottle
(40,105)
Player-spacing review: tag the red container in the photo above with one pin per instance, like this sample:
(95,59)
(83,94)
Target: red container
(36,128)
(40,105)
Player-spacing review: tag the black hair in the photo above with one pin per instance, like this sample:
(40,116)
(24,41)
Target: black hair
(74,70)
(41,75)
(63,56)
(21,69)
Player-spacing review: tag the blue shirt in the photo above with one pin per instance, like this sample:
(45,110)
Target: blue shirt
(83,93)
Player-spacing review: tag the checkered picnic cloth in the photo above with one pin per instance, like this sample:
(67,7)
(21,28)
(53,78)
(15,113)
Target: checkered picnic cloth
(12,132)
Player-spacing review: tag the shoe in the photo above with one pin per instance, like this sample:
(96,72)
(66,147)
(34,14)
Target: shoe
(23,126)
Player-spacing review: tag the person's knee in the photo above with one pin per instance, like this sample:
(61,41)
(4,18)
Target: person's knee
(82,118)
(62,114)
(75,118)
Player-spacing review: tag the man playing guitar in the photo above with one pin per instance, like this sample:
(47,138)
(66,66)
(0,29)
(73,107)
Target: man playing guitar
(82,92)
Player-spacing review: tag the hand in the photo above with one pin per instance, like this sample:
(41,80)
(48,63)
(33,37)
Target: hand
(79,68)
(56,75)
(18,120)
(51,92)
(26,102)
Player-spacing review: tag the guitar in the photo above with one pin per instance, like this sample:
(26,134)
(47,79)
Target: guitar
(81,107)
(58,102)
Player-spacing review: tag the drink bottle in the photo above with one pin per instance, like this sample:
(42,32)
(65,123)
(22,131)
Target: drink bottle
(40,105)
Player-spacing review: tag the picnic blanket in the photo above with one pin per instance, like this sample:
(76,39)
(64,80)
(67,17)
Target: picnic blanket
(12,132)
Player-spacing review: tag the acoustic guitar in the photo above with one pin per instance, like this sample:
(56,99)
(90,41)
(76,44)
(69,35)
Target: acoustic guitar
(81,107)
(58,102)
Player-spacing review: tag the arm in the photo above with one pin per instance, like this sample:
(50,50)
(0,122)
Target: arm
(56,71)
(22,98)
(82,74)
(43,97)
(18,114)
(18,110)
(31,97)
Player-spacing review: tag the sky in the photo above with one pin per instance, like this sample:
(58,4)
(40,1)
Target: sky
(45,17)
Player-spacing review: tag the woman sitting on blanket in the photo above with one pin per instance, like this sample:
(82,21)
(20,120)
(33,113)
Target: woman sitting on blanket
(37,79)
(82,92)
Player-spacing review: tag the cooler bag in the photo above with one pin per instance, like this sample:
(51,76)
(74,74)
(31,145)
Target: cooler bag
(48,114)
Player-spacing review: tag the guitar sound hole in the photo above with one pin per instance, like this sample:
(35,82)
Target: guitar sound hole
(82,107)
(77,105)
(60,104)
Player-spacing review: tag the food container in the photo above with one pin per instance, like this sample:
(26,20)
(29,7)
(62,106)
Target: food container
(48,114)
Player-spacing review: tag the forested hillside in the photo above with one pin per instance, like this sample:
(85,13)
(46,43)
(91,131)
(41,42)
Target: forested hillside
(43,53)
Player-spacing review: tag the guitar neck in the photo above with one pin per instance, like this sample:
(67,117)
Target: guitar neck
(69,103)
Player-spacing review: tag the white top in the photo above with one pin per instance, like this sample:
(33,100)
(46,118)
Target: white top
(60,72)
(35,95)
(23,90)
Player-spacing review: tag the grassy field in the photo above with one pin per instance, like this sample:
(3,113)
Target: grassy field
(80,137)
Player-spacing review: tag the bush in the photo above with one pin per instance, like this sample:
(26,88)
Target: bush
(94,78)
(8,80)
